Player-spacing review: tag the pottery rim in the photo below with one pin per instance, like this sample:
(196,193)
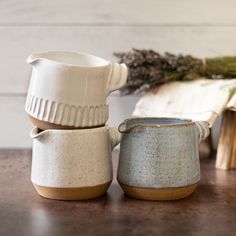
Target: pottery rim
(37,131)
(43,55)
(185,122)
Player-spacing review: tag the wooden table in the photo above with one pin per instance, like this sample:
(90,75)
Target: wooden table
(211,210)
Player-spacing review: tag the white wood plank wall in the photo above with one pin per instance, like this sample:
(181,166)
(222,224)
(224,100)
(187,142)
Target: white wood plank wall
(202,28)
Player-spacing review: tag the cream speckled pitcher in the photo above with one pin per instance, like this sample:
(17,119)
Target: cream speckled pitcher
(159,157)
(69,90)
(73,164)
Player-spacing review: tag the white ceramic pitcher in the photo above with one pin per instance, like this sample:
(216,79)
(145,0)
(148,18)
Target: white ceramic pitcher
(69,89)
(73,164)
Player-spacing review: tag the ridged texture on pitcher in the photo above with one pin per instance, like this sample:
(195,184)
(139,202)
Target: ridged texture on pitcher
(66,114)
(70,90)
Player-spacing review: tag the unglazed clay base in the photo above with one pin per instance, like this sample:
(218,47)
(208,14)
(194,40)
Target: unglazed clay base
(43,125)
(82,193)
(163,194)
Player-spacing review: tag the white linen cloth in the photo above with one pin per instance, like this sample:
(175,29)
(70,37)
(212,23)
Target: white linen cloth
(202,99)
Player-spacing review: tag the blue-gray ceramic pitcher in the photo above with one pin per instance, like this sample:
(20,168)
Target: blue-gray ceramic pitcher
(159,157)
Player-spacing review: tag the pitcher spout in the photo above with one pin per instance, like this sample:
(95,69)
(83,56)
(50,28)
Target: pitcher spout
(127,125)
(34,57)
(36,133)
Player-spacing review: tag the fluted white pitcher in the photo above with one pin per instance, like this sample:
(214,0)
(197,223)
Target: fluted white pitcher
(69,89)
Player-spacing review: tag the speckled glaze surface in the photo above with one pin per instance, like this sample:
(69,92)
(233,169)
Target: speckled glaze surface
(73,158)
(70,89)
(160,153)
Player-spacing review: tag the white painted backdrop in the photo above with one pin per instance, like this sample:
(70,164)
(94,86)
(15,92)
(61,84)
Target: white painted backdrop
(202,28)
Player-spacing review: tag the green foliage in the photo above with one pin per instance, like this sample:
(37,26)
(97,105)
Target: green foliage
(221,67)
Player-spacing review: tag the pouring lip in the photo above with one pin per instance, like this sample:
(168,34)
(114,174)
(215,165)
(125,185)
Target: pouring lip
(44,55)
(177,122)
(39,131)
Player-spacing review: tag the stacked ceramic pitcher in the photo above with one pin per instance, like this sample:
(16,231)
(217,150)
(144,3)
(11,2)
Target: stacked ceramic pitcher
(67,102)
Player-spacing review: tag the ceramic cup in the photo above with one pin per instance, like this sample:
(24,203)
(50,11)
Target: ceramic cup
(72,164)
(159,157)
(69,90)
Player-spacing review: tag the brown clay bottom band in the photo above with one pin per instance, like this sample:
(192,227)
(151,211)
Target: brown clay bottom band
(162,194)
(43,125)
(81,193)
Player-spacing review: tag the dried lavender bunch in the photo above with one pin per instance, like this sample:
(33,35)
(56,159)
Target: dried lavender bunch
(148,68)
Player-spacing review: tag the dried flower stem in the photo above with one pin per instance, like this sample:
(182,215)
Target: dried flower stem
(148,68)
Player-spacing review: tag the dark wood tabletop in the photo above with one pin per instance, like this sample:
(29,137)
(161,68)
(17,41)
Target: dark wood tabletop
(211,210)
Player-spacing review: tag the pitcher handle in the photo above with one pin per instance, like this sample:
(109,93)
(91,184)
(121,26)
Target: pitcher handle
(115,137)
(118,76)
(202,129)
